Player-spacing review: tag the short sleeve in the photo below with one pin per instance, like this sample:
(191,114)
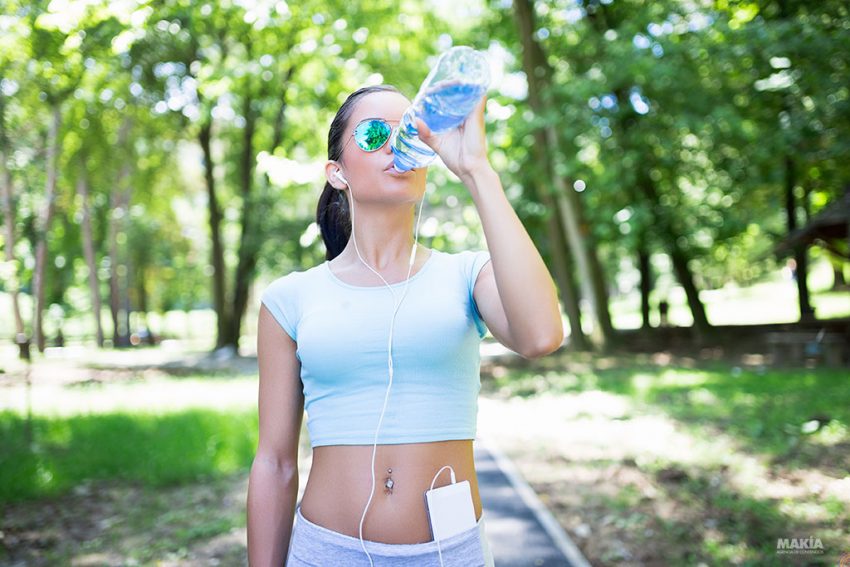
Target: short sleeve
(280,298)
(476,262)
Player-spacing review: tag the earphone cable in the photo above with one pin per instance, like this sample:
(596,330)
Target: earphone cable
(389,349)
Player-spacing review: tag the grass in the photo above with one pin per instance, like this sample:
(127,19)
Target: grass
(668,464)
(771,411)
(710,464)
(155,450)
(125,523)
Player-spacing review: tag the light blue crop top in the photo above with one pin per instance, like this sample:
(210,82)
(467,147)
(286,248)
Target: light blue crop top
(342,331)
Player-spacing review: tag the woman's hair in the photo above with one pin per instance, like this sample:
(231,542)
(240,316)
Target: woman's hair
(332,212)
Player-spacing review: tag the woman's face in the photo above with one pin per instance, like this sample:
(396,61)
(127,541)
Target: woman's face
(370,174)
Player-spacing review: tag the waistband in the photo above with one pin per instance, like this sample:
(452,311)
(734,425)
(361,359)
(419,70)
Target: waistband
(392,549)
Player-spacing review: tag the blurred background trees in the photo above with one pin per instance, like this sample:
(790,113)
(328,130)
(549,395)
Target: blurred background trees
(166,157)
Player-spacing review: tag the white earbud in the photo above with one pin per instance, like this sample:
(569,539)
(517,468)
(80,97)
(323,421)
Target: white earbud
(339,176)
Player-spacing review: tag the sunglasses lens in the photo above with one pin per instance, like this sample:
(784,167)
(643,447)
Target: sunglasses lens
(372,134)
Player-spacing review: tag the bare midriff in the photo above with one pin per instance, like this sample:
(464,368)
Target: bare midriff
(339,483)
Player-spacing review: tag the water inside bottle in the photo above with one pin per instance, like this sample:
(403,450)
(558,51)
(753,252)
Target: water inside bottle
(447,104)
(442,107)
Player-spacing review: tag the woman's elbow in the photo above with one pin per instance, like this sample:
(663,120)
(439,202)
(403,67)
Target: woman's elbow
(546,344)
(283,468)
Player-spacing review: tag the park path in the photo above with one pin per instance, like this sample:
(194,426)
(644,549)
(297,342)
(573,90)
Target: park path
(521,531)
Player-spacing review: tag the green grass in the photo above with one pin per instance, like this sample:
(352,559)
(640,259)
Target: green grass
(131,524)
(153,449)
(781,412)
(172,530)
(768,412)
(749,426)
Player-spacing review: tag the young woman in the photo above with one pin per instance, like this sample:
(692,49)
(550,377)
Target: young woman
(323,345)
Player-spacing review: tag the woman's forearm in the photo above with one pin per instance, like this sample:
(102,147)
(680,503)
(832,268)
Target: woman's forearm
(526,288)
(272,496)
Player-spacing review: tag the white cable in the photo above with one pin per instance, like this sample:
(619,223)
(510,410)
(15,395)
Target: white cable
(454,480)
(389,351)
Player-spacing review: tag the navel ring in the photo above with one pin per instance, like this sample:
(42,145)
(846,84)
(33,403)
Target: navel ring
(388,483)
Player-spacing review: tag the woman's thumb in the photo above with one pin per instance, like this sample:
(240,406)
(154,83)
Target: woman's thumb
(424,132)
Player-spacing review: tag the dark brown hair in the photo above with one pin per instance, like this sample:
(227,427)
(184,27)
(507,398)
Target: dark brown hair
(332,213)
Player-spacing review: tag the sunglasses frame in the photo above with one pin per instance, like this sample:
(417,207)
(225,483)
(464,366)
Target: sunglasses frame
(367,121)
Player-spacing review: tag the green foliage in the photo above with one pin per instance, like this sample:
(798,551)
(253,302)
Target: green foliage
(155,450)
(675,119)
(703,103)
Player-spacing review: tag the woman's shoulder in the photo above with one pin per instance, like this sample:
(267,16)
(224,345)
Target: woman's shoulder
(465,263)
(467,257)
(463,254)
(293,280)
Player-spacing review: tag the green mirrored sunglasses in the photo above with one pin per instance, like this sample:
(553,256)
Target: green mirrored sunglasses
(371,134)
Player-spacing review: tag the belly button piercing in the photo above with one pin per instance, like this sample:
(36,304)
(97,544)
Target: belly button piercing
(388,483)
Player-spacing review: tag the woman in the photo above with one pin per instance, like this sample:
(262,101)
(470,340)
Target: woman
(323,338)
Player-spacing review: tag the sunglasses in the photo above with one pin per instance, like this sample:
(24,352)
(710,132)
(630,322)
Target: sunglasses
(371,134)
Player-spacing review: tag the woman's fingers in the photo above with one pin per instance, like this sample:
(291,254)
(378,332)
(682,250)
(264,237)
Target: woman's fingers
(425,133)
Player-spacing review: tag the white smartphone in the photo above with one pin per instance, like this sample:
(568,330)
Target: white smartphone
(450,509)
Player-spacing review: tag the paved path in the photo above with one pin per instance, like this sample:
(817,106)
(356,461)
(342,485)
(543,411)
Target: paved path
(521,531)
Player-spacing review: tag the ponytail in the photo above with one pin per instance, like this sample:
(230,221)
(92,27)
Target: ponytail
(334,220)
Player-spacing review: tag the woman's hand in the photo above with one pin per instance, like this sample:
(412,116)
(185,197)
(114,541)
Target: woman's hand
(462,149)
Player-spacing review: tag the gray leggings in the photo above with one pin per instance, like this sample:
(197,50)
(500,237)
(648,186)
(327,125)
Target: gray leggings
(316,546)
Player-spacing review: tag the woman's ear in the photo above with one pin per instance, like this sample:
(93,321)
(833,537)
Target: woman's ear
(335,176)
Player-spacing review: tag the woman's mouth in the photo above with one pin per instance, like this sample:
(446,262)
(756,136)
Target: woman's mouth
(393,171)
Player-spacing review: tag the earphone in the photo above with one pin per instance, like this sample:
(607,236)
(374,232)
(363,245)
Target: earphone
(338,174)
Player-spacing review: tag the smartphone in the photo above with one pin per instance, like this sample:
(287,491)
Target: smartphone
(450,509)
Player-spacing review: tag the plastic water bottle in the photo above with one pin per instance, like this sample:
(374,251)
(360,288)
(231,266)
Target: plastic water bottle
(447,96)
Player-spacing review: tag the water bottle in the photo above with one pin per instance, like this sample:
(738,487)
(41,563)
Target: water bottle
(449,93)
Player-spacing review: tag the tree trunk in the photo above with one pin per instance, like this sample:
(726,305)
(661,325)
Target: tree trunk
(114,290)
(600,288)
(142,298)
(249,241)
(13,284)
(118,270)
(786,12)
(564,269)
(807,313)
(568,205)
(89,253)
(664,223)
(44,222)
(252,230)
(219,302)
(686,278)
(645,268)
(560,256)
(839,283)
